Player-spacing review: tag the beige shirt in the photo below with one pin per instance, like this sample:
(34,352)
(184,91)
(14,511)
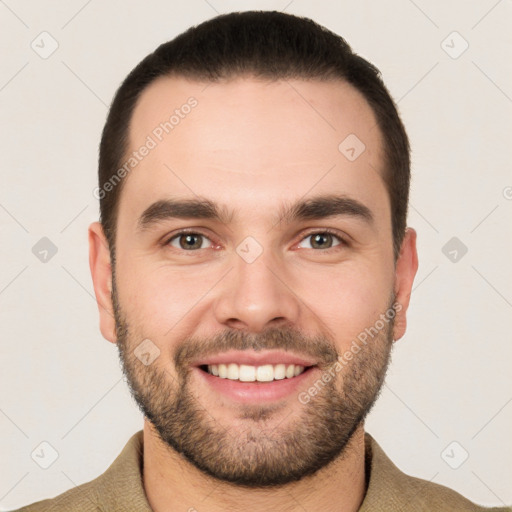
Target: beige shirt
(120,488)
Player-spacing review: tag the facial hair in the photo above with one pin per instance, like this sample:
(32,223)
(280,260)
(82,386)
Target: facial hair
(259,456)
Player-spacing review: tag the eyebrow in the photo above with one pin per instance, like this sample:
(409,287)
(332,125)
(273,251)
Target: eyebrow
(315,208)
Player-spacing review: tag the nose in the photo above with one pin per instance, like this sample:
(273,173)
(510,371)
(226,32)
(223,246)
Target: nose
(255,296)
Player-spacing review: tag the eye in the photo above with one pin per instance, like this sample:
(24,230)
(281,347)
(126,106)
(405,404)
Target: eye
(191,241)
(187,240)
(323,240)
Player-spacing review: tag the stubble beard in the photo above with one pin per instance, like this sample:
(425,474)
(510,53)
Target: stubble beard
(266,453)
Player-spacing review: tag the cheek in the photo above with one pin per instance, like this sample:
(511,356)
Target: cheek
(348,299)
(160,300)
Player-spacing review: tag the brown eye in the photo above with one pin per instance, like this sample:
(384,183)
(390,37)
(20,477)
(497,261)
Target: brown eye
(187,241)
(323,240)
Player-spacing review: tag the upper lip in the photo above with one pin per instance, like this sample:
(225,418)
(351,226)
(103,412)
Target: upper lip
(252,358)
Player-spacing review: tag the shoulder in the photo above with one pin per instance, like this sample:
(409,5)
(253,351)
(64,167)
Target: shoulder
(120,487)
(427,496)
(390,489)
(78,499)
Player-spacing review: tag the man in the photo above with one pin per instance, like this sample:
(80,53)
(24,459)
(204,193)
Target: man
(253,266)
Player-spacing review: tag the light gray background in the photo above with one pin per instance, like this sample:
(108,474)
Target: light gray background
(450,379)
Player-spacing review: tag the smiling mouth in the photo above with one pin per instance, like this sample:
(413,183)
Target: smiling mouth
(249,373)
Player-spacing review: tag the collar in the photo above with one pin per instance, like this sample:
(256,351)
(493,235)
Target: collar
(120,487)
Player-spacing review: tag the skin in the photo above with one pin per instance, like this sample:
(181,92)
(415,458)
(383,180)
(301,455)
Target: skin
(252,146)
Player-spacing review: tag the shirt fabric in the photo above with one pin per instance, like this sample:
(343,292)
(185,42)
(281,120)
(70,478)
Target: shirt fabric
(120,488)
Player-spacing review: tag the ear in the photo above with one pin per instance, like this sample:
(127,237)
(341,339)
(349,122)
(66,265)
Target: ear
(101,271)
(405,271)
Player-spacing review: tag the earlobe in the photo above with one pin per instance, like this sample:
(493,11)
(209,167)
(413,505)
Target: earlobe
(405,271)
(101,272)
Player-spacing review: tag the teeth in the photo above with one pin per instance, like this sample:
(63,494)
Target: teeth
(279,371)
(247,373)
(233,372)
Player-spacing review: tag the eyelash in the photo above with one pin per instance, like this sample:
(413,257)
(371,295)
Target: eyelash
(343,241)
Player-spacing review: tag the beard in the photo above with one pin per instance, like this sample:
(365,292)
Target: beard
(263,455)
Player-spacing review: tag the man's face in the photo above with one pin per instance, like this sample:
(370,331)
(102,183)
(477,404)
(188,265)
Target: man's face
(307,286)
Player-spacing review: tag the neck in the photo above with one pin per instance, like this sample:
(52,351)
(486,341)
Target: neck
(171,483)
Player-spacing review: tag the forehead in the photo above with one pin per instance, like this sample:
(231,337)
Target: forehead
(247,139)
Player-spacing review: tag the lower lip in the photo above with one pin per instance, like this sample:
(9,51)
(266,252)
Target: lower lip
(254,392)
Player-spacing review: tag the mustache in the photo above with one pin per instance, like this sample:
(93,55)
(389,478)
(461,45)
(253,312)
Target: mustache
(317,347)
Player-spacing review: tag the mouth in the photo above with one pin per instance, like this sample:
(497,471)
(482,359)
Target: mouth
(250,373)
(247,384)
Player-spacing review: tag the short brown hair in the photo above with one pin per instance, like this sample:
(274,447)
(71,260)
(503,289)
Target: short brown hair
(264,44)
